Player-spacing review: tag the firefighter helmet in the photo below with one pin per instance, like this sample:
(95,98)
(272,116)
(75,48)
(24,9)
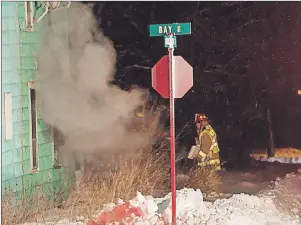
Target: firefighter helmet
(199,117)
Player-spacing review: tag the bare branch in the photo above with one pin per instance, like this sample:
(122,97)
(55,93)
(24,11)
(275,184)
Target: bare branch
(139,66)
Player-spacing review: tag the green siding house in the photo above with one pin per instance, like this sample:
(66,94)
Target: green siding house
(27,143)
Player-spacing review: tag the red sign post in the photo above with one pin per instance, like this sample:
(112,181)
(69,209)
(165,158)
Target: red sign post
(172,77)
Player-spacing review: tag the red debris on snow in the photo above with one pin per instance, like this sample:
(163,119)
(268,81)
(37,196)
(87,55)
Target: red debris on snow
(91,222)
(118,214)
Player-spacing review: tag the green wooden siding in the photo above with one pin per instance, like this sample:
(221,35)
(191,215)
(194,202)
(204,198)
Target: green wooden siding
(18,68)
(12,171)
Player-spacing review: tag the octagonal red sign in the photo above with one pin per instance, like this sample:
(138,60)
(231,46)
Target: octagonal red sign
(183,77)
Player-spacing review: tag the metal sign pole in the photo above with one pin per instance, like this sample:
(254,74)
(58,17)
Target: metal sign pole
(172,129)
(163,72)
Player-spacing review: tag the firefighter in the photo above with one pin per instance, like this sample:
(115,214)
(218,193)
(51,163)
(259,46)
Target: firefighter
(206,150)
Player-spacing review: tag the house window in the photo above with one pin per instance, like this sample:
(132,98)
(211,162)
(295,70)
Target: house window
(33,119)
(8,120)
(58,141)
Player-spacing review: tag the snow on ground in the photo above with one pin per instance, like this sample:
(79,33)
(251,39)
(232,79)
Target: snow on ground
(240,209)
(290,160)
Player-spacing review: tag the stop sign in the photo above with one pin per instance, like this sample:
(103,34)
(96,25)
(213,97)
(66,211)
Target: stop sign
(183,77)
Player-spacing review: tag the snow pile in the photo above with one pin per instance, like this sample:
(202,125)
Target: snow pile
(293,160)
(191,208)
(140,210)
(244,209)
(240,209)
(143,210)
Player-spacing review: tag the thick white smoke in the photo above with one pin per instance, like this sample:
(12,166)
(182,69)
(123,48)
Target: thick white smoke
(76,62)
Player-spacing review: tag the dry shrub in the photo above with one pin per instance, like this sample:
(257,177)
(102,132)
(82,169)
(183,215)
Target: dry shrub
(11,214)
(288,194)
(121,173)
(204,178)
(142,171)
(32,208)
(36,204)
(145,173)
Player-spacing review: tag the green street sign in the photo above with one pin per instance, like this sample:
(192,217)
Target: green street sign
(170,40)
(167,29)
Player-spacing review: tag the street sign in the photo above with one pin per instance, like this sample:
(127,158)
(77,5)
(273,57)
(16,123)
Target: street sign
(172,77)
(167,29)
(183,77)
(183,73)
(160,77)
(170,40)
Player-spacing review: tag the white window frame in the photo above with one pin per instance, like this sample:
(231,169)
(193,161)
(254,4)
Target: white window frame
(29,17)
(31,85)
(8,116)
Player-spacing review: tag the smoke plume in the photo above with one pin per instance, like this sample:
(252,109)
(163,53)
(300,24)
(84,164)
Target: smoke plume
(76,62)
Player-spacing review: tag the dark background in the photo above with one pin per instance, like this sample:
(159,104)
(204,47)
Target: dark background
(246,60)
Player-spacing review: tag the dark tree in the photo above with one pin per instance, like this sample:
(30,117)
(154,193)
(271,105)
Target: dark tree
(245,58)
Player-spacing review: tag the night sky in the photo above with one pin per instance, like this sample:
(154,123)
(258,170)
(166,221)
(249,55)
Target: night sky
(245,57)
